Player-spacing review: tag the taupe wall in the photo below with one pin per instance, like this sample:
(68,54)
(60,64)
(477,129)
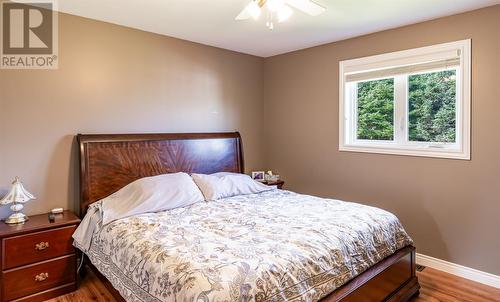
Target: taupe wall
(450,207)
(115,79)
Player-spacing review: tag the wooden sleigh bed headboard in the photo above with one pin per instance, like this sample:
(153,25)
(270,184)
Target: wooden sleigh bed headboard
(108,162)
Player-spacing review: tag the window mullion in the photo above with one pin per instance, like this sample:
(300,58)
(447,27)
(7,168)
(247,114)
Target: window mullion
(354,110)
(400,109)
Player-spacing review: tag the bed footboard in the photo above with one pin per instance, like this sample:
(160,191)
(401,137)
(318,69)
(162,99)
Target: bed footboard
(392,280)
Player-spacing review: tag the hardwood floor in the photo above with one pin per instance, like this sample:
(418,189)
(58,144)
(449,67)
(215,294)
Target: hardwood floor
(436,286)
(440,286)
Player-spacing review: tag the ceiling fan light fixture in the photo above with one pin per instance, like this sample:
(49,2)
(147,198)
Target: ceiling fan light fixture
(284,13)
(278,11)
(253,9)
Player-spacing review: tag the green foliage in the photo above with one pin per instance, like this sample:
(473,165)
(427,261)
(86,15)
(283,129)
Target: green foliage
(431,103)
(432,98)
(376,110)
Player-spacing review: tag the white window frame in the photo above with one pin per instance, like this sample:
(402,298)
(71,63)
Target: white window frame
(401,145)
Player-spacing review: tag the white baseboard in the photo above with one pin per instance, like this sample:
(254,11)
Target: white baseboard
(459,270)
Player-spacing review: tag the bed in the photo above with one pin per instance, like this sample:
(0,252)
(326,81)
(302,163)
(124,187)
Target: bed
(272,246)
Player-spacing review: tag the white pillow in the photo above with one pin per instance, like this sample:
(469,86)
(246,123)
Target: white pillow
(221,185)
(151,194)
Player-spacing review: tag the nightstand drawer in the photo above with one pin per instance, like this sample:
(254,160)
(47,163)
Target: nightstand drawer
(31,248)
(38,277)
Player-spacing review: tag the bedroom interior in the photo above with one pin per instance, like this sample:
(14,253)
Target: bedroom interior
(142,126)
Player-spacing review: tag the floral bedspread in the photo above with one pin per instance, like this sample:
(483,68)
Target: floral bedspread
(273,246)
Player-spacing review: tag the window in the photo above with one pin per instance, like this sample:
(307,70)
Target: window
(413,102)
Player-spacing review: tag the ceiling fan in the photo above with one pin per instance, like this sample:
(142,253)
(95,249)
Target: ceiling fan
(278,10)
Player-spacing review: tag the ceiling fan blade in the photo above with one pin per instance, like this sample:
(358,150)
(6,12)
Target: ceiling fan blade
(252,10)
(243,15)
(307,6)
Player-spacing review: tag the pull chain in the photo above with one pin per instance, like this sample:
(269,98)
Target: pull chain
(270,20)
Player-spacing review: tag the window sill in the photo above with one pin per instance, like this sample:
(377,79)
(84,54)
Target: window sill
(427,152)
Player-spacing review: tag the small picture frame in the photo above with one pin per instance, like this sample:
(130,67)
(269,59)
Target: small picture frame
(258,176)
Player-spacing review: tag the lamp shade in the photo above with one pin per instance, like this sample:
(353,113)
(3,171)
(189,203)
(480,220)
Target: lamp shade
(17,194)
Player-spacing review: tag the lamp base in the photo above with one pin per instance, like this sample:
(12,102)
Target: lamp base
(16,218)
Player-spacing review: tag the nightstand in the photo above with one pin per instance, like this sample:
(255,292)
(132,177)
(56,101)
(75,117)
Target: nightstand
(38,260)
(280,183)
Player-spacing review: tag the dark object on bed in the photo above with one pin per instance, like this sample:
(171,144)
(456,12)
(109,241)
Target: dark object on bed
(109,162)
(279,184)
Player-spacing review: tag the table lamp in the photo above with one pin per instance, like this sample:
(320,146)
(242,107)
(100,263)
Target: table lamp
(17,195)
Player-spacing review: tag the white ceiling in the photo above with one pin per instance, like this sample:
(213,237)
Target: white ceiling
(212,22)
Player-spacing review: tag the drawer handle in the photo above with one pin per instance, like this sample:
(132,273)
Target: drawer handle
(41,246)
(41,277)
